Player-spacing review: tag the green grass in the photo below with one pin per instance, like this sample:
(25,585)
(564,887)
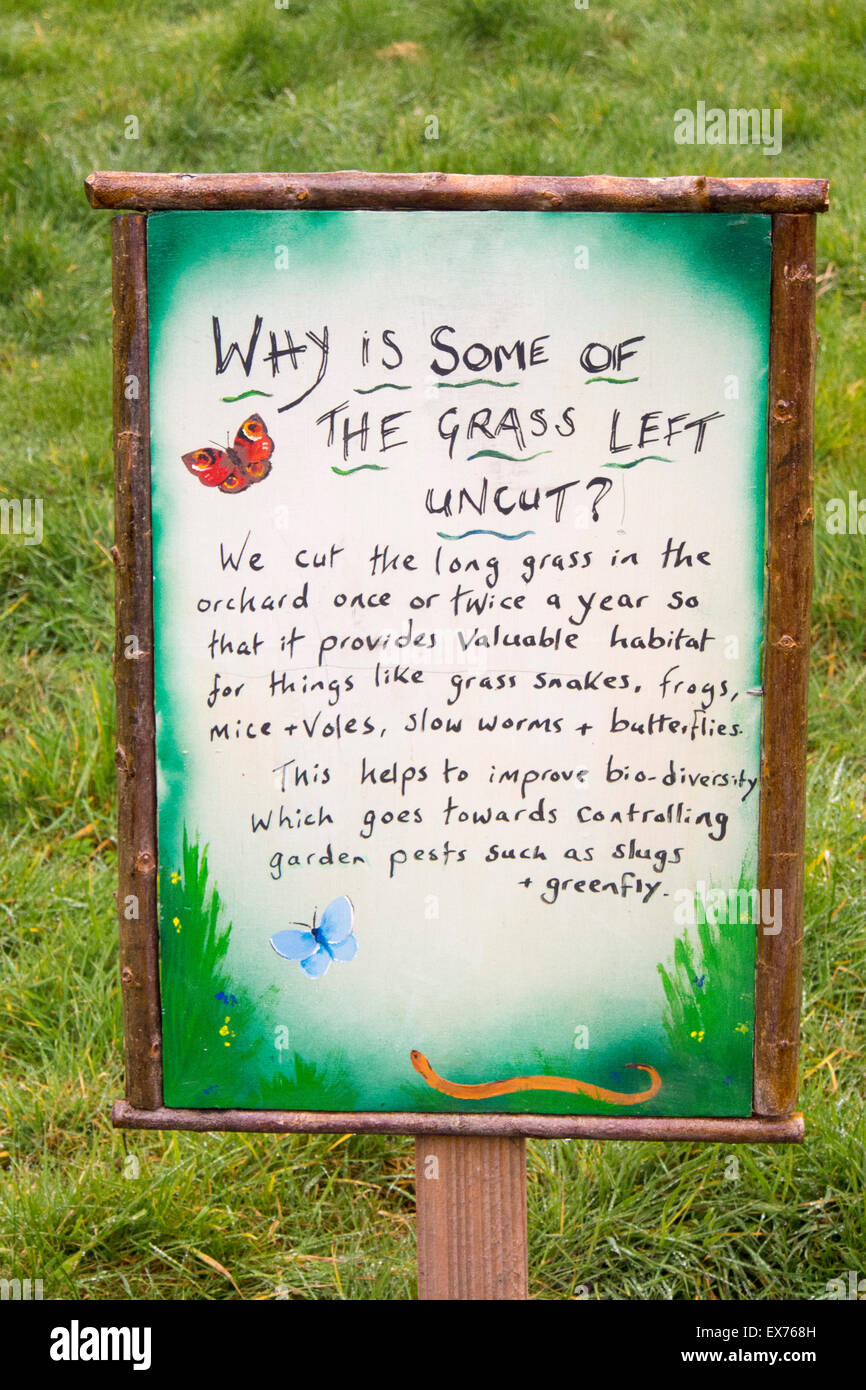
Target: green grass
(515,88)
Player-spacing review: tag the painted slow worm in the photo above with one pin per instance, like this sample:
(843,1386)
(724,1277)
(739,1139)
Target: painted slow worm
(485,1089)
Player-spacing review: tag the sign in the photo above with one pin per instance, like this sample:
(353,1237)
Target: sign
(464,623)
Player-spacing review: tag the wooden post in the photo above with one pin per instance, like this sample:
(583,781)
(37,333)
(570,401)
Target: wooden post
(790,518)
(135,753)
(471,1218)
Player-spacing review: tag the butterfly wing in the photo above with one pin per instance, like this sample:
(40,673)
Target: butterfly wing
(212,467)
(316,964)
(335,923)
(252,450)
(294,945)
(346,949)
(237,480)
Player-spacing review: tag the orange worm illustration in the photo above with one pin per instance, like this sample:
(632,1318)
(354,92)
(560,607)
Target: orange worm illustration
(483,1090)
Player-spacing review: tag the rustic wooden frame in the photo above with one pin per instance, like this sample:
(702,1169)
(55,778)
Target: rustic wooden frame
(792,204)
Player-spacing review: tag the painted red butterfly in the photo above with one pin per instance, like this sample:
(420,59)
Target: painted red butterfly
(235,468)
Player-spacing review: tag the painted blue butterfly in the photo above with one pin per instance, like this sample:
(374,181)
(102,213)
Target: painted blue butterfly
(315,948)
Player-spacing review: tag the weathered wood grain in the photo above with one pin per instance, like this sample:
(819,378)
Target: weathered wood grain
(790,519)
(353,188)
(726,1130)
(470,1198)
(133,669)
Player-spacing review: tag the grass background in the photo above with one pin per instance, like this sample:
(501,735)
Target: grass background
(517,86)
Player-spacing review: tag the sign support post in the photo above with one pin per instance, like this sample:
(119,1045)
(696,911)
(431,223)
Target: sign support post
(471,1218)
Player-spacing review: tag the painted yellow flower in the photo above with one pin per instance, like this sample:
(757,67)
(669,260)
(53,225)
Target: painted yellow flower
(698,1035)
(175,922)
(741,1028)
(175,878)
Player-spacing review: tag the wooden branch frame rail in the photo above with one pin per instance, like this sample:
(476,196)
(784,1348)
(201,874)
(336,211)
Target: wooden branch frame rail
(353,188)
(792,204)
